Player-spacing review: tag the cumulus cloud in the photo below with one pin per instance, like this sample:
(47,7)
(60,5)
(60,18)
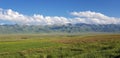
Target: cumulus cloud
(13,17)
(95,18)
(37,19)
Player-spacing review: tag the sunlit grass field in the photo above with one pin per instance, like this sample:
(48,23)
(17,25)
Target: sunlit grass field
(60,46)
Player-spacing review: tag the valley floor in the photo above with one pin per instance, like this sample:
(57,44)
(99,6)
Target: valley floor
(60,46)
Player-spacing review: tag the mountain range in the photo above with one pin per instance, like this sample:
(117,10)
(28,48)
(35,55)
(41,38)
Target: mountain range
(67,28)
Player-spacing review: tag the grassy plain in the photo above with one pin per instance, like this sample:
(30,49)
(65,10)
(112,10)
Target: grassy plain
(60,46)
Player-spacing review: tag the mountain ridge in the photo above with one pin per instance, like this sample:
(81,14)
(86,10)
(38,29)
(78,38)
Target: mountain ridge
(67,28)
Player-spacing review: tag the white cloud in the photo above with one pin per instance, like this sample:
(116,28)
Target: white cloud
(37,19)
(95,18)
(13,16)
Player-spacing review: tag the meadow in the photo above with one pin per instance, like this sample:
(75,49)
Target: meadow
(60,46)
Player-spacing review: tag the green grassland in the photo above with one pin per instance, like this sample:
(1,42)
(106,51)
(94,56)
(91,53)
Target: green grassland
(60,46)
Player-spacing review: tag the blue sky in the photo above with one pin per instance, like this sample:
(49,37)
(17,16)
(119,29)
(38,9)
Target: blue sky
(62,11)
(62,7)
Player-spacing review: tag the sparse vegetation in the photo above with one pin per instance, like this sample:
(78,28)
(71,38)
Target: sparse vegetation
(60,46)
